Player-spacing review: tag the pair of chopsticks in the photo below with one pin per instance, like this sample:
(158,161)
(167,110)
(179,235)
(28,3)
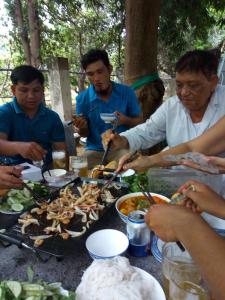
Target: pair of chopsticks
(146,194)
(152,201)
(132,157)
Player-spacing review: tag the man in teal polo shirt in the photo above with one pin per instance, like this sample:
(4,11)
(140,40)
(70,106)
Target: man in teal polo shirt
(29,131)
(103,96)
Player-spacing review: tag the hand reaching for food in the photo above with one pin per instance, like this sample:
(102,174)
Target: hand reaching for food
(202,198)
(118,142)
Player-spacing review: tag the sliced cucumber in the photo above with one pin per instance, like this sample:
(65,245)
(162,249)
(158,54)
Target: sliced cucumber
(17,207)
(15,287)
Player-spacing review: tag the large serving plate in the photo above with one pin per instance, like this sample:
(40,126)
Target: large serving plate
(77,223)
(156,289)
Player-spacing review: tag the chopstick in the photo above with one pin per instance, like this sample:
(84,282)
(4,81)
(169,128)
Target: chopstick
(109,181)
(146,194)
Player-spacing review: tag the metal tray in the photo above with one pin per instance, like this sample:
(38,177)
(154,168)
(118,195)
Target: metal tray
(56,244)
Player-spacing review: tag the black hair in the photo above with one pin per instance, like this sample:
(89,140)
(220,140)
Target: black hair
(198,61)
(94,55)
(26,74)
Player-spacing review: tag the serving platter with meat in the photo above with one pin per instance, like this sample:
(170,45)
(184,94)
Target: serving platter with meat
(71,213)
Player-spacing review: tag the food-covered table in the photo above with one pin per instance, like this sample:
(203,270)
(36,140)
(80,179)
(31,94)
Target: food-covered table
(14,261)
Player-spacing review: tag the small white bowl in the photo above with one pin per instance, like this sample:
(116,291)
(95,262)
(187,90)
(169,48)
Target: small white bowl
(108,118)
(106,243)
(55,175)
(123,198)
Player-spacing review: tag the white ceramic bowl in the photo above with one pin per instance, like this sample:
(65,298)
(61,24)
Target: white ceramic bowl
(106,243)
(55,175)
(123,198)
(108,118)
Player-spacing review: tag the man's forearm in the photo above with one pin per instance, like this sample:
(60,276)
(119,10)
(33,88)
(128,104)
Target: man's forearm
(157,160)
(9,148)
(208,251)
(131,122)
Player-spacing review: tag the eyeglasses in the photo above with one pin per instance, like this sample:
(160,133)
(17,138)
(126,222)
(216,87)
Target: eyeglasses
(191,87)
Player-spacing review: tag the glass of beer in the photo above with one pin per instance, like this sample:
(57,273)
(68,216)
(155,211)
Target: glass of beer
(174,258)
(59,159)
(79,165)
(186,283)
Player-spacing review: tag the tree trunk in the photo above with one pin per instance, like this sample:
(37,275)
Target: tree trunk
(22,31)
(34,32)
(142,21)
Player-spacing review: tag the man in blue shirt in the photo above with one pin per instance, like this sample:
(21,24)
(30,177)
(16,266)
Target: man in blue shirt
(103,96)
(28,130)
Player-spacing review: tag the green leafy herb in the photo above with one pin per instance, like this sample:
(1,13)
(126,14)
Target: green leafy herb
(135,180)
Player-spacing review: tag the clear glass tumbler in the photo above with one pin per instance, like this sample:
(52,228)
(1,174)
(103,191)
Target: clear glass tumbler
(59,159)
(79,165)
(186,283)
(173,258)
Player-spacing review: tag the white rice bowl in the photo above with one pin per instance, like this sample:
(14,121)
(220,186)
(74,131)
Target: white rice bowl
(116,279)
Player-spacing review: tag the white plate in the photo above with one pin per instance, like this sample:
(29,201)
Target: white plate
(157,292)
(157,244)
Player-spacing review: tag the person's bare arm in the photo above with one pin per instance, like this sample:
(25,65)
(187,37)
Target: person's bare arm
(9,177)
(128,121)
(117,141)
(172,223)
(29,150)
(81,125)
(212,142)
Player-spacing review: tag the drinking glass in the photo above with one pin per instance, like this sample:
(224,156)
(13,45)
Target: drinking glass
(59,159)
(186,284)
(79,165)
(173,257)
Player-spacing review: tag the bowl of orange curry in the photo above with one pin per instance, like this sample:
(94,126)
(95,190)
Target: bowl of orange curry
(136,201)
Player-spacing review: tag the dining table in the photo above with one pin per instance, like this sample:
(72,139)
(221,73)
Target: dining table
(14,261)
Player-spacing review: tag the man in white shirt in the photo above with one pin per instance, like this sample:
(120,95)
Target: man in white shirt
(199,103)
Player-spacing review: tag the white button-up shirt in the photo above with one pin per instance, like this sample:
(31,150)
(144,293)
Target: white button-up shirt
(172,122)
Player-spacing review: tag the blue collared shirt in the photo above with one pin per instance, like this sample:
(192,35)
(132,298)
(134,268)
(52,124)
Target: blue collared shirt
(44,128)
(122,99)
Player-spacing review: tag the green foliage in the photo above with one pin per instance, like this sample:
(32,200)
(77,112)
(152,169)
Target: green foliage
(185,25)
(70,28)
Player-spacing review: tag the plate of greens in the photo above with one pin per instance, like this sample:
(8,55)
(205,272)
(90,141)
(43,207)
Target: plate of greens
(16,290)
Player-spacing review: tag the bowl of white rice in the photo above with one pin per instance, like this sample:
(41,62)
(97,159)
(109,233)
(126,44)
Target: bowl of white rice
(114,279)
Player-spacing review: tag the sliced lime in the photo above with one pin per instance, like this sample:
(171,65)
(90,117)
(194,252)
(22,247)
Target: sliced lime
(17,207)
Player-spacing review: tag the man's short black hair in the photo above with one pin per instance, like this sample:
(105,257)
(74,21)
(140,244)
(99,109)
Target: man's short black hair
(198,61)
(26,74)
(94,55)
